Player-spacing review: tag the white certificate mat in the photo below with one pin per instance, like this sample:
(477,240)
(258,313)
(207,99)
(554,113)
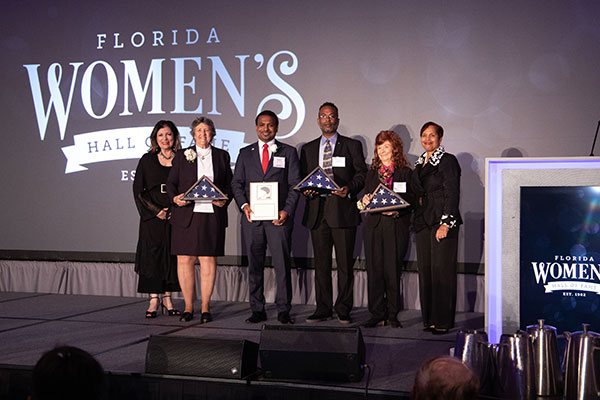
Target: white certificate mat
(264,201)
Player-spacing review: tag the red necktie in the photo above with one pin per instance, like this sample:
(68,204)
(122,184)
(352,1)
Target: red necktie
(265,158)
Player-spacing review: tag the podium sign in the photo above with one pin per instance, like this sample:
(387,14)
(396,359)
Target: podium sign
(560,256)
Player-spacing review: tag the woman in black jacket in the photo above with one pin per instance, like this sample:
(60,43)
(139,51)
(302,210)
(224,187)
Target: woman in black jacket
(436,183)
(386,233)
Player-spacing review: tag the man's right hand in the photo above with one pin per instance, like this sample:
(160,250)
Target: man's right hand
(310,193)
(247,211)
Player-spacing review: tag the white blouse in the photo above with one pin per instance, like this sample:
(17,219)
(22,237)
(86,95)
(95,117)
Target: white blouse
(205,167)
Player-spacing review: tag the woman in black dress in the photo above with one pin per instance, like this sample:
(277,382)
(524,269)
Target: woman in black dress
(156,267)
(386,233)
(436,183)
(199,227)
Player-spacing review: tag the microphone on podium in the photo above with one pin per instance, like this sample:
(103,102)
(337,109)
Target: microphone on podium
(595,137)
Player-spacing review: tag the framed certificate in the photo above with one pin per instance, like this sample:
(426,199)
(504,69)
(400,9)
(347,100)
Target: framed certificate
(264,201)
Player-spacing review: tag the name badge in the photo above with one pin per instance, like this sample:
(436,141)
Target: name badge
(400,187)
(338,161)
(279,162)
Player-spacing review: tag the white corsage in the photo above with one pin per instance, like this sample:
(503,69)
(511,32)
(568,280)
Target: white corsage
(190,155)
(273,148)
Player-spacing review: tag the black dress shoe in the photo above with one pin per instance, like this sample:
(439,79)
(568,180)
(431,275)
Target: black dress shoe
(187,316)
(319,317)
(284,318)
(205,317)
(344,319)
(373,322)
(394,323)
(430,328)
(257,317)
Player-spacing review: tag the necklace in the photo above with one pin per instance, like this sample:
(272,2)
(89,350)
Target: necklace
(204,154)
(165,157)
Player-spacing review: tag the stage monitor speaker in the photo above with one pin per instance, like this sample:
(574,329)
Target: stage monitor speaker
(216,358)
(312,353)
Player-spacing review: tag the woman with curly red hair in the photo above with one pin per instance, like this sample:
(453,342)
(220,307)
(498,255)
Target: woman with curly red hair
(386,233)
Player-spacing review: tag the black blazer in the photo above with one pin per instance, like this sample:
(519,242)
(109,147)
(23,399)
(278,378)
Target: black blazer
(372,181)
(184,174)
(437,189)
(249,169)
(340,212)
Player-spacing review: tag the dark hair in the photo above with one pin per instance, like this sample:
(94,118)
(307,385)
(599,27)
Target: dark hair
(445,378)
(207,121)
(330,104)
(438,128)
(270,114)
(68,373)
(398,157)
(154,147)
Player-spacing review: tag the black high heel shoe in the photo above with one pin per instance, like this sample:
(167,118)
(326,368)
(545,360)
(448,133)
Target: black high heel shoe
(172,312)
(152,314)
(206,317)
(186,316)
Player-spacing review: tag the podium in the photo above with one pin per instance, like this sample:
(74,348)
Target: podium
(537,262)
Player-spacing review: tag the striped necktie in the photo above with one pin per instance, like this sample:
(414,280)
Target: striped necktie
(327,159)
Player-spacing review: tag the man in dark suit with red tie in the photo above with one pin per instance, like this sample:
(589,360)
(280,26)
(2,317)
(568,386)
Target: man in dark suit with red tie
(332,219)
(268,160)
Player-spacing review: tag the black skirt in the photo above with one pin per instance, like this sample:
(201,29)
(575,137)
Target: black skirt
(156,267)
(203,237)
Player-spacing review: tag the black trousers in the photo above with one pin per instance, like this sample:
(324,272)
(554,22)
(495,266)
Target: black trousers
(385,248)
(437,277)
(324,238)
(257,237)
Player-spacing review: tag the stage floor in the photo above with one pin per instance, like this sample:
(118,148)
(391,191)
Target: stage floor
(114,330)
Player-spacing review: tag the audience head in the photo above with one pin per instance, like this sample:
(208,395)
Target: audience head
(445,378)
(68,373)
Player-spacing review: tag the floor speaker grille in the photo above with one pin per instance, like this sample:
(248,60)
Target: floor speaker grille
(218,358)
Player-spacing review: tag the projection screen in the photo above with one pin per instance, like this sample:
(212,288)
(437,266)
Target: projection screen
(84,82)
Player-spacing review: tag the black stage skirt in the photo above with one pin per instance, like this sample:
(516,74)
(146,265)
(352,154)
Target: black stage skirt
(203,237)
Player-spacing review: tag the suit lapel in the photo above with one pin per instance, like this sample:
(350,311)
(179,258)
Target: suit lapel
(271,158)
(215,164)
(339,146)
(192,168)
(255,158)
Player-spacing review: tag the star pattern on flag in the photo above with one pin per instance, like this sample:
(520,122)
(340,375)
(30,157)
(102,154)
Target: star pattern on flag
(319,181)
(385,199)
(204,189)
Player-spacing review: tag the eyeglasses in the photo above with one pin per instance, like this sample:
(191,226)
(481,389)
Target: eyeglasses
(325,116)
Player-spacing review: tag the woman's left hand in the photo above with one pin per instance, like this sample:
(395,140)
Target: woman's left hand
(178,200)
(219,203)
(441,232)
